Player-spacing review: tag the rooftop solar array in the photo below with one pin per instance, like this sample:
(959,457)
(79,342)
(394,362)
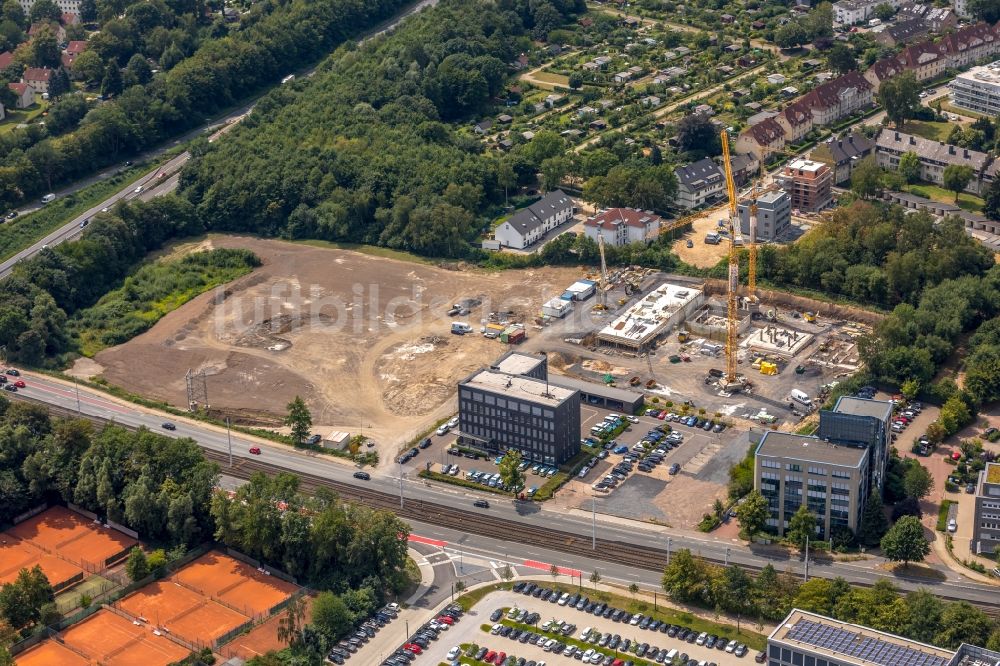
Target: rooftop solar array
(870,649)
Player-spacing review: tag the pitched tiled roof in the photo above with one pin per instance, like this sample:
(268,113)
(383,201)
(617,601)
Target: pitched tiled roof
(797,113)
(614,217)
(886,68)
(936,151)
(6,58)
(37,74)
(18,88)
(698,175)
(765,132)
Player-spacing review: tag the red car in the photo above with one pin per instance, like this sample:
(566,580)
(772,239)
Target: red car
(500,658)
(444,619)
(488,657)
(662,415)
(957,455)
(413,647)
(19,383)
(255,450)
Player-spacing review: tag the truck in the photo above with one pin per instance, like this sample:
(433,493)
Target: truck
(801,397)
(460,328)
(712,238)
(48,198)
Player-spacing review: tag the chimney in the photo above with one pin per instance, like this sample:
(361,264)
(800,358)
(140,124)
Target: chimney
(966,151)
(850,139)
(897,136)
(913,141)
(951,149)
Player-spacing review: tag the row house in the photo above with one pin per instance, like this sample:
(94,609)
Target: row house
(839,98)
(934,156)
(622,226)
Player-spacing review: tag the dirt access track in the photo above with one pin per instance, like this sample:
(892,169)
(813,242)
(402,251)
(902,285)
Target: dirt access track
(365,340)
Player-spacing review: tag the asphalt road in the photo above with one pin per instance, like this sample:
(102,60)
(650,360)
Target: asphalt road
(90,402)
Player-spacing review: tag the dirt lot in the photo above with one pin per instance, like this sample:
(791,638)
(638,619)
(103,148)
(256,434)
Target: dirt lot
(702,254)
(363,339)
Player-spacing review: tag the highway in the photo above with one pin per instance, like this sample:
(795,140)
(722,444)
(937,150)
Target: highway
(278,457)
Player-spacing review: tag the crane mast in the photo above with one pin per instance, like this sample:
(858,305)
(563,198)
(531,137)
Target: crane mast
(752,272)
(604,272)
(735,237)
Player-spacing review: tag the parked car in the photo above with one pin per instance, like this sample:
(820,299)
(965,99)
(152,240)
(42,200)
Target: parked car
(255,450)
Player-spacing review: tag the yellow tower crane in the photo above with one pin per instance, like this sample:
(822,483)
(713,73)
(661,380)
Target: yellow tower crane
(730,381)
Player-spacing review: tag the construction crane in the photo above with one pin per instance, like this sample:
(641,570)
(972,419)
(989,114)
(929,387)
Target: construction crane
(752,272)
(730,381)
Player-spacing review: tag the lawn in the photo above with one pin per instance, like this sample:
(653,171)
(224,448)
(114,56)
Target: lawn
(549,77)
(966,201)
(17,116)
(935,131)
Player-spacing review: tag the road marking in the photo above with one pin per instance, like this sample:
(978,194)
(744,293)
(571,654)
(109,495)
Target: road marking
(84,397)
(416,538)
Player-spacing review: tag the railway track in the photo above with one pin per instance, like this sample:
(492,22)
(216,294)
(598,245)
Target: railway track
(649,558)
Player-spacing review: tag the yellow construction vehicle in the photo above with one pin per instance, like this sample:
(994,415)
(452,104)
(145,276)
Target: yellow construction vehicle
(683,337)
(809,317)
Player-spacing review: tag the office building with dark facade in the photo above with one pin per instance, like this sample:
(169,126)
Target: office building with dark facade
(510,405)
(833,472)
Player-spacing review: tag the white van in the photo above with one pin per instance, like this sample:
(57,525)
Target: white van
(670,656)
(48,198)
(460,328)
(801,397)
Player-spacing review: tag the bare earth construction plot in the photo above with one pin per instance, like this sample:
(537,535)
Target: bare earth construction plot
(365,340)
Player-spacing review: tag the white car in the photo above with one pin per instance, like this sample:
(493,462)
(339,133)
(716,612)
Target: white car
(564,598)
(636,619)
(496,629)
(952,525)
(633,419)
(138,190)
(453,423)
(454,652)
(443,430)
(731,647)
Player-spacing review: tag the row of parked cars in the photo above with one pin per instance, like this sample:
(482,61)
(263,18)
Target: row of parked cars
(641,455)
(692,421)
(421,639)
(365,632)
(616,642)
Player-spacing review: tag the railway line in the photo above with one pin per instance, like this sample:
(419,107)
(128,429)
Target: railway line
(649,558)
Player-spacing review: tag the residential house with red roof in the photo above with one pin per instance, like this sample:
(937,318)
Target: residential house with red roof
(621,226)
(24,93)
(796,120)
(839,98)
(6,60)
(38,78)
(761,140)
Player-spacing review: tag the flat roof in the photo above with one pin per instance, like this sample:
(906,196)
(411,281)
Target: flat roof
(648,317)
(516,386)
(992,472)
(593,388)
(518,363)
(848,404)
(853,644)
(808,448)
(806,165)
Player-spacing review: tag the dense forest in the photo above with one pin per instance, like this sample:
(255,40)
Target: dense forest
(277,36)
(372,154)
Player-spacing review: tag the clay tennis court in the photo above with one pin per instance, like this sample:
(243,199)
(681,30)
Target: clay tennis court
(237,584)
(183,612)
(262,638)
(107,639)
(72,537)
(16,555)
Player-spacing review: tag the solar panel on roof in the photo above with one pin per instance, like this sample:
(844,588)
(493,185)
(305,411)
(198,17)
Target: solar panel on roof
(871,649)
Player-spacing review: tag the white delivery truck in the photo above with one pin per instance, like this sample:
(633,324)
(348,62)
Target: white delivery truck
(460,328)
(48,198)
(801,397)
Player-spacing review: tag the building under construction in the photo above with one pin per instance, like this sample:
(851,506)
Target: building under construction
(638,328)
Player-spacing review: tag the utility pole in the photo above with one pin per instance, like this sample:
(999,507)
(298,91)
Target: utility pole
(805,572)
(593,524)
(229,437)
(76,383)
(668,550)
(727,556)
(400,485)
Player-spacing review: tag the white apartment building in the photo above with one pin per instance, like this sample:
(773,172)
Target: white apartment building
(978,89)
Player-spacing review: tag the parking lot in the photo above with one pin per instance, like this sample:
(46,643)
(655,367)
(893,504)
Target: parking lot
(469,631)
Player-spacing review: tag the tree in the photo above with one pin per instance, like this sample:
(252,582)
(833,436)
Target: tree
(595,578)
(575,81)
(5,657)
(984,10)
(909,166)
(506,573)
(171,56)
(753,514)
(510,472)
(884,11)
(685,579)
(331,615)
(866,179)
(991,203)
(924,616)
(840,59)
(905,542)
(136,566)
(88,11)
(290,626)
(956,177)
(918,482)
(791,35)
(138,70)
(633,589)
(873,523)
(21,601)
(299,420)
(13,13)
(44,10)
(961,622)
(553,170)
(696,133)
(801,526)
(59,84)
(111,84)
(88,66)
(906,507)
(900,98)
(44,49)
